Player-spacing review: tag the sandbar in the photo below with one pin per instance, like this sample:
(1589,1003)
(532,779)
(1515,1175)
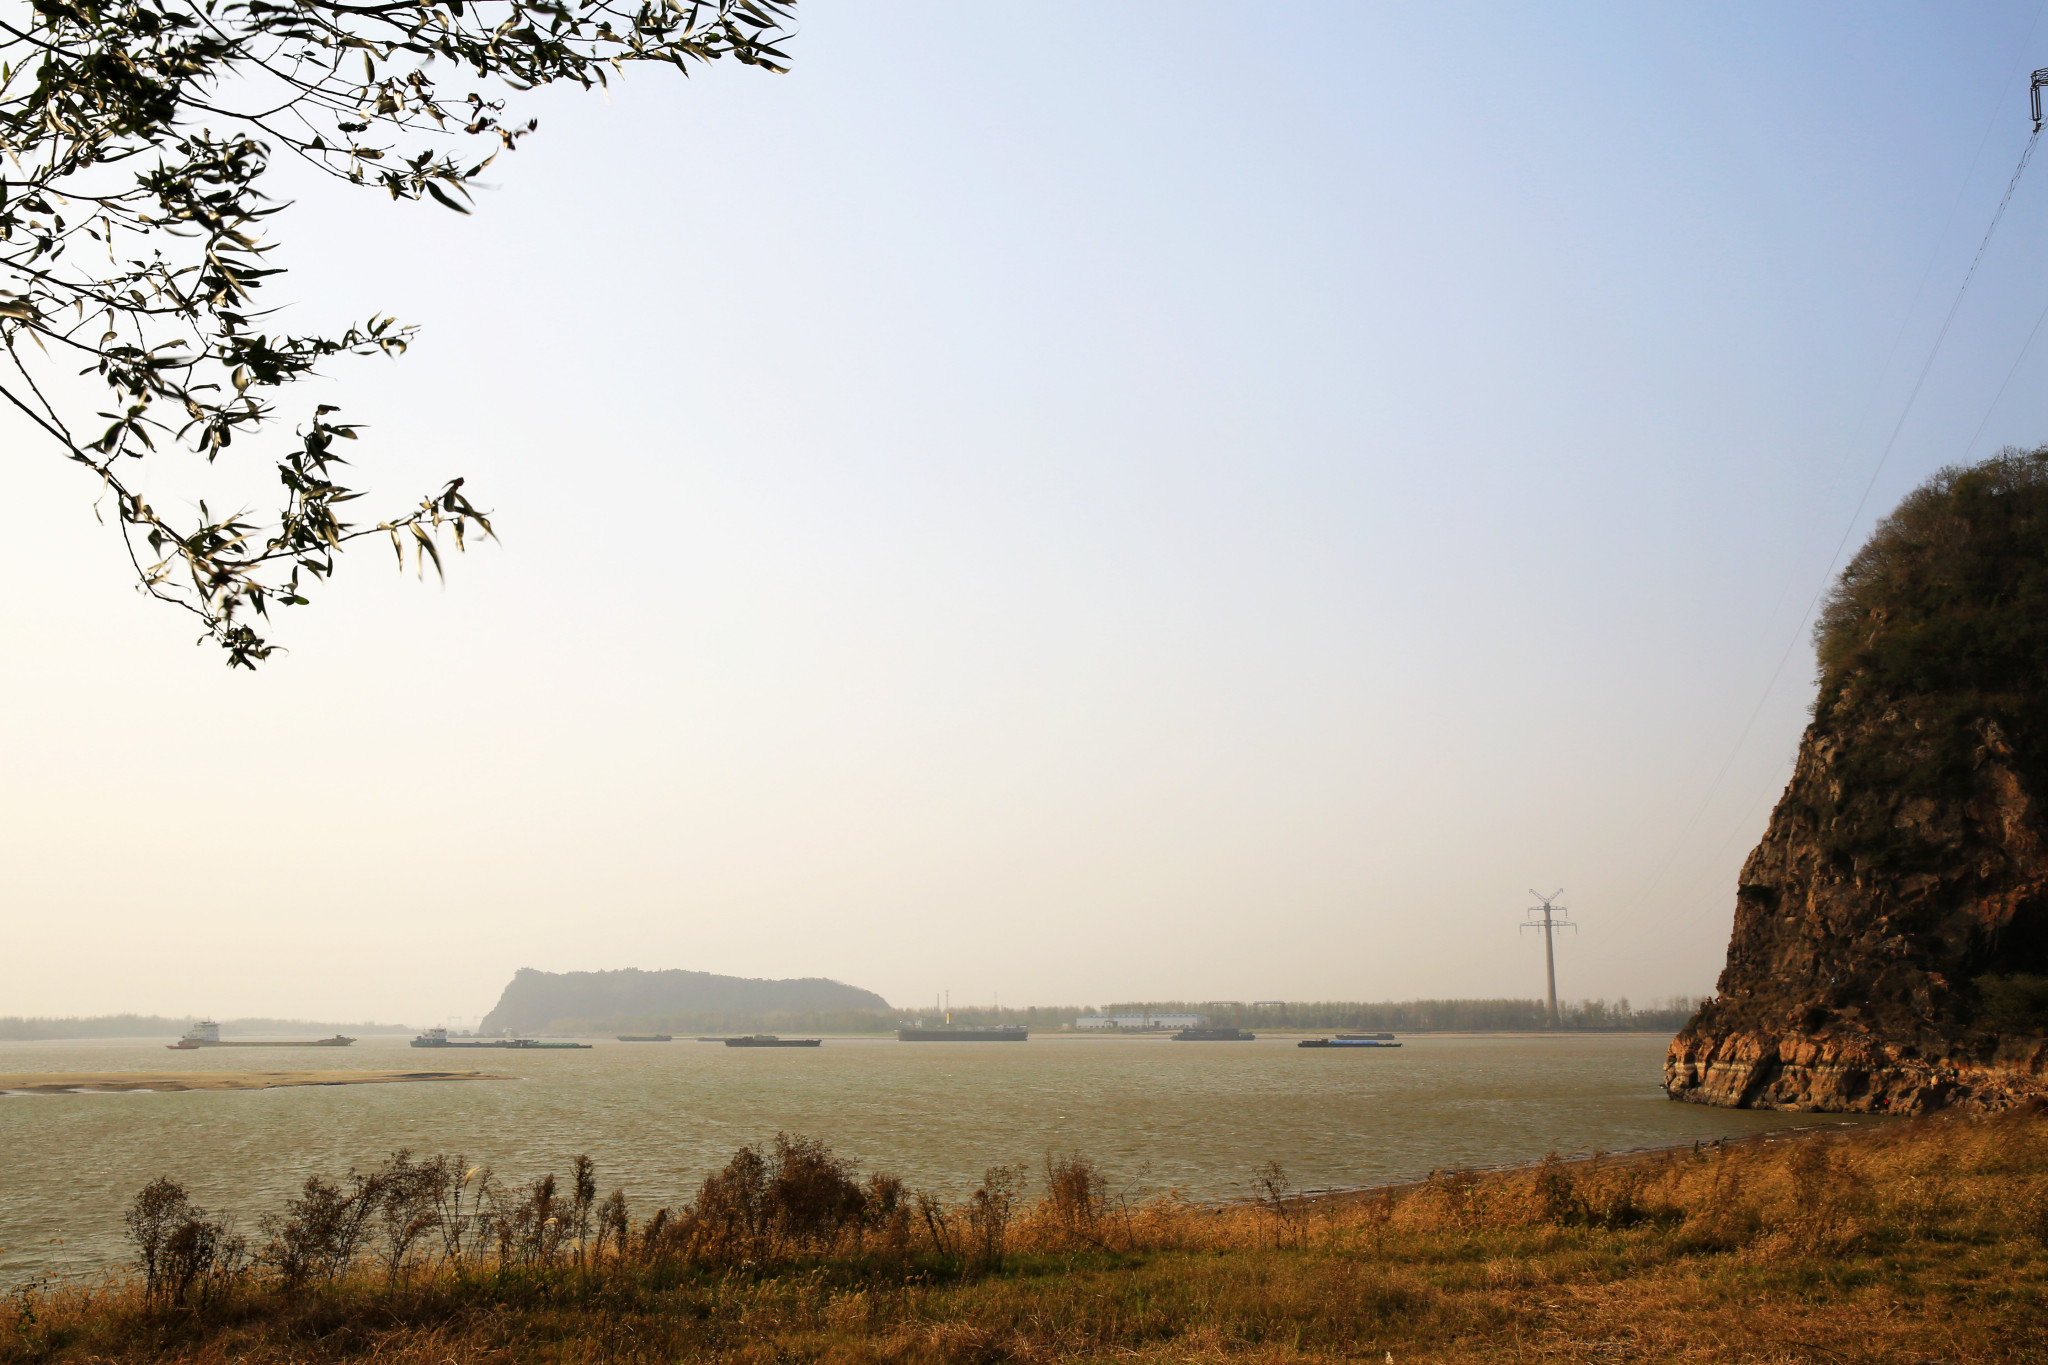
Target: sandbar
(118,1082)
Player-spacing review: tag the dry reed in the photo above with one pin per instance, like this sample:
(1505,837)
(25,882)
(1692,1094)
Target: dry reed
(1911,1242)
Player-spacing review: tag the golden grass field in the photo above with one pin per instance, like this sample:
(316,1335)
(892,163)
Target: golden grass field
(1912,1242)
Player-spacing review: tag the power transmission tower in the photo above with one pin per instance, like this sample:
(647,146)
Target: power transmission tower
(1545,917)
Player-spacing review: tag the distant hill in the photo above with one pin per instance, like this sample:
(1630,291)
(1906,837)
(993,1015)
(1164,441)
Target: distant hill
(634,1001)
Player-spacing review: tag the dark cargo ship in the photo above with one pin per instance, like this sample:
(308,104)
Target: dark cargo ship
(770,1040)
(1214,1035)
(963,1033)
(1344,1042)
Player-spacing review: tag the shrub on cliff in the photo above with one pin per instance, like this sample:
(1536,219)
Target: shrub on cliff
(1933,647)
(1951,592)
(2017,1003)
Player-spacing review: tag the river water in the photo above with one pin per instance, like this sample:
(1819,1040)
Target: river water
(657,1117)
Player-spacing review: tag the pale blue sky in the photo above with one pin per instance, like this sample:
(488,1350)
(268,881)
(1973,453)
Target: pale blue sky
(1079,502)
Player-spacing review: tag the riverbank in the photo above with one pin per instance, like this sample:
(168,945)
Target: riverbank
(1912,1241)
(172,1082)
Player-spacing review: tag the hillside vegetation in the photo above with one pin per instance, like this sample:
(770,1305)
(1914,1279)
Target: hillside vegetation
(1907,1242)
(1890,943)
(680,1002)
(1937,635)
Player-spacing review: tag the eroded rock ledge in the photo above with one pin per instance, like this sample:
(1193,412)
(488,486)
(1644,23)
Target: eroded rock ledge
(1850,1075)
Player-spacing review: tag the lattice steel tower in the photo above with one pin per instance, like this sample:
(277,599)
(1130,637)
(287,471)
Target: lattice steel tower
(1544,916)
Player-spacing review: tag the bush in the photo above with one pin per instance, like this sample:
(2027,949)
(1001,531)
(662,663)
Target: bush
(1076,1198)
(2017,1003)
(179,1247)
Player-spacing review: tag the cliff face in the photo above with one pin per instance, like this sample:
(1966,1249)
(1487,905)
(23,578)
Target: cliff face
(1890,945)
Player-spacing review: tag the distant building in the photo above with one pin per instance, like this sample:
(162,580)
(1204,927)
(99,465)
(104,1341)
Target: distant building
(1269,1004)
(1137,1022)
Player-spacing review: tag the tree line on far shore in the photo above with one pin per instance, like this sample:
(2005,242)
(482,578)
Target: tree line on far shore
(15,1028)
(1397,1016)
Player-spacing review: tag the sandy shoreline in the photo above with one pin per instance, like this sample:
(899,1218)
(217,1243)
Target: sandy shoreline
(127,1082)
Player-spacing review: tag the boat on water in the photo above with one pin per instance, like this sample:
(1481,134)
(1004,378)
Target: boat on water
(645,1038)
(1345,1042)
(963,1033)
(1365,1037)
(438,1037)
(770,1040)
(1214,1035)
(206,1033)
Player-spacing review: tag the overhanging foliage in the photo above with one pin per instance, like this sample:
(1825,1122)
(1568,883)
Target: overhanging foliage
(136,135)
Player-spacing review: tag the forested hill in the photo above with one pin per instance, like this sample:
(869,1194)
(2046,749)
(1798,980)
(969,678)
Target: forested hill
(633,1001)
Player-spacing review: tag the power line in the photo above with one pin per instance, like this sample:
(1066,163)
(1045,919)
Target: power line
(2040,79)
(1999,397)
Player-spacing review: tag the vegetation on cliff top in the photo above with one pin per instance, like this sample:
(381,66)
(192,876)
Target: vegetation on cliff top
(1932,648)
(1933,659)
(1908,1241)
(1950,595)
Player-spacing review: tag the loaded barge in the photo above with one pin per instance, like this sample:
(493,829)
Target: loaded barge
(963,1033)
(438,1037)
(1345,1042)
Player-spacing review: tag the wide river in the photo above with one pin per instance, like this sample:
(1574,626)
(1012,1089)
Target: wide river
(657,1117)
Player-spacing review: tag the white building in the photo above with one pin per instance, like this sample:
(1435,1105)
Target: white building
(1100,1022)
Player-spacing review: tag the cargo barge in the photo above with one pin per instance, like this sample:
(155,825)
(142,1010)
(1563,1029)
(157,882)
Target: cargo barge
(1214,1035)
(963,1033)
(1345,1042)
(206,1033)
(438,1037)
(770,1040)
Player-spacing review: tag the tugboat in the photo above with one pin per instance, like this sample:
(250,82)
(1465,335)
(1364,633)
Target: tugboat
(206,1033)
(1344,1042)
(438,1037)
(1214,1035)
(770,1040)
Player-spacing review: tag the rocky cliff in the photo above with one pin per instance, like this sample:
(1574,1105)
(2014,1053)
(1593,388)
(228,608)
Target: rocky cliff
(1890,945)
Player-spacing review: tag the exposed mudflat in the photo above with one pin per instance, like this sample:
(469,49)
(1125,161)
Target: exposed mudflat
(119,1082)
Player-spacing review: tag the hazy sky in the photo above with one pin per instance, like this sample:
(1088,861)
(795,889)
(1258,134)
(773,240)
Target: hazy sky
(1074,502)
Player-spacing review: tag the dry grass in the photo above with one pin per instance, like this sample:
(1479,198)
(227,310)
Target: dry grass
(1915,1242)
